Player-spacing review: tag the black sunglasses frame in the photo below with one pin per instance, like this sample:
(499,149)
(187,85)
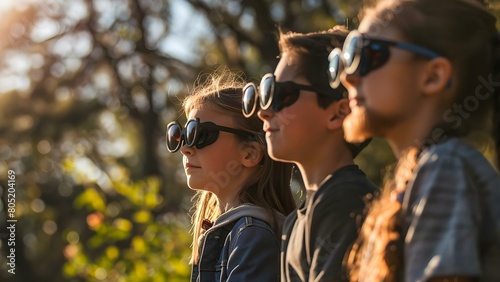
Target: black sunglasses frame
(360,53)
(272,102)
(201,137)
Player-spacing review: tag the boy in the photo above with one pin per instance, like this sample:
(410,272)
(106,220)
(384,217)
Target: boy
(303,119)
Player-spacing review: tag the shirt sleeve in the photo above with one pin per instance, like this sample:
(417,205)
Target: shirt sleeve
(254,256)
(333,231)
(442,220)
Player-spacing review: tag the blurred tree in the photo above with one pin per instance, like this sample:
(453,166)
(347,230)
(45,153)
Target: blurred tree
(83,102)
(245,32)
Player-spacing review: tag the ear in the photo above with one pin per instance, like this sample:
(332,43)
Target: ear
(437,76)
(338,110)
(251,154)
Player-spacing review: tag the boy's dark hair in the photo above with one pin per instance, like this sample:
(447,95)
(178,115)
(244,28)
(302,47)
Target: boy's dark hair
(309,53)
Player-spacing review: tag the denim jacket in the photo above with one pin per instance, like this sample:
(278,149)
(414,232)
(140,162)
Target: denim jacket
(240,246)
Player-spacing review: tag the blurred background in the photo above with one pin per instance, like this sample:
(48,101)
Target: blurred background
(86,90)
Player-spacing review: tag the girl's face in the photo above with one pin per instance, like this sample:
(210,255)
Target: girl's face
(293,131)
(217,167)
(386,96)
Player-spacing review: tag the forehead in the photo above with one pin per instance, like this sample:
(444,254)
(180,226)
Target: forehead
(288,69)
(207,112)
(378,29)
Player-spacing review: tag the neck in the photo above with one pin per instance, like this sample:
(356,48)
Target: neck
(418,131)
(229,195)
(227,203)
(315,169)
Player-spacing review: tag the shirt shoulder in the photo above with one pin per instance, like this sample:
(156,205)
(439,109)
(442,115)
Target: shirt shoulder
(460,153)
(347,189)
(454,165)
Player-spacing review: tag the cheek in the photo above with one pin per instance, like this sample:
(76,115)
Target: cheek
(281,145)
(297,132)
(220,155)
(380,95)
(390,92)
(220,164)
(295,121)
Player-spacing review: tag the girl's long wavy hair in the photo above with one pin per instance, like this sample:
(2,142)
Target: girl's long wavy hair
(269,187)
(464,32)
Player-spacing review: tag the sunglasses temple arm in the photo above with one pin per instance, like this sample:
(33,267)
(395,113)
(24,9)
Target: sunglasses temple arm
(234,131)
(417,49)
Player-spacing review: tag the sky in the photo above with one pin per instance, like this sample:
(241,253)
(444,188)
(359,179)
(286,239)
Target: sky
(187,26)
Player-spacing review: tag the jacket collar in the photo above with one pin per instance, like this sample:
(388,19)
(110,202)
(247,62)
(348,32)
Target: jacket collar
(247,210)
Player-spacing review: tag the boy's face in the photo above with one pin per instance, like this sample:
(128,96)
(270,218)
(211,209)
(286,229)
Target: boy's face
(292,132)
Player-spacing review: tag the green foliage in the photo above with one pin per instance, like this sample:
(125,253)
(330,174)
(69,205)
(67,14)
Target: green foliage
(91,200)
(141,247)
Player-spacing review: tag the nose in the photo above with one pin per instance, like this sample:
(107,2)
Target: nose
(187,151)
(265,114)
(350,80)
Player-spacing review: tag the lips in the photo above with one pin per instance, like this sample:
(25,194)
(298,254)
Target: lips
(188,165)
(270,129)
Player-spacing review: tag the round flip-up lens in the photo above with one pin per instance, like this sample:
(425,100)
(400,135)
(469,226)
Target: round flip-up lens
(248,100)
(173,137)
(266,88)
(335,67)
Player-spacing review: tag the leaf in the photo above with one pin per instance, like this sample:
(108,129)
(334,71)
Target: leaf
(151,200)
(90,199)
(139,245)
(142,216)
(112,252)
(122,224)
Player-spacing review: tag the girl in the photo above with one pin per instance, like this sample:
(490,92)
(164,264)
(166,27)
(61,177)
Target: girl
(242,195)
(422,74)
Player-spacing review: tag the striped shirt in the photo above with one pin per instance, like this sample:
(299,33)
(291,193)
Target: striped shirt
(451,215)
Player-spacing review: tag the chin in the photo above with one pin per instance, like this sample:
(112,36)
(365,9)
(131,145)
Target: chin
(357,126)
(192,184)
(276,154)
(363,123)
(207,187)
(195,184)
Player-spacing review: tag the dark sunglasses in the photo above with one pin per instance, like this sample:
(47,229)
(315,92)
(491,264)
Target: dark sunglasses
(277,95)
(362,54)
(199,134)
